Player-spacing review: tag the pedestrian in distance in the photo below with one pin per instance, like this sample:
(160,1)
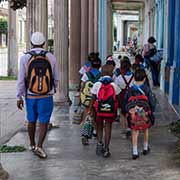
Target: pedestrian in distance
(149,51)
(37,82)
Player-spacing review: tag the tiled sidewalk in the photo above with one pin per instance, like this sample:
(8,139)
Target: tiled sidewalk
(69,160)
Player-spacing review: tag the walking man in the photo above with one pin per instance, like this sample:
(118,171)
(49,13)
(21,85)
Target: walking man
(37,82)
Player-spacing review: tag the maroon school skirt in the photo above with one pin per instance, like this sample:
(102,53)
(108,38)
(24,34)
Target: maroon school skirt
(100,119)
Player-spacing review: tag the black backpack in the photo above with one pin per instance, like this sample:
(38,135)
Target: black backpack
(39,78)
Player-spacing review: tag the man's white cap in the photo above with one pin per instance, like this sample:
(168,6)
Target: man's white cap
(37,38)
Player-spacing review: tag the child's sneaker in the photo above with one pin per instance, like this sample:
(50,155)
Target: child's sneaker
(85,141)
(94,133)
(32,148)
(146,152)
(135,156)
(99,149)
(106,153)
(40,153)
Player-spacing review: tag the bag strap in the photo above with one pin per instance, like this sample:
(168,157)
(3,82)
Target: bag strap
(90,75)
(34,53)
(127,83)
(141,90)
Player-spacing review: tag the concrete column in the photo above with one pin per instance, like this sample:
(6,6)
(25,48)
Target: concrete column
(119,29)
(12,43)
(174,73)
(61,48)
(91,27)
(37,18)
(42,16)
(109,27)
(102,28)
(95,25)
(75,43)
(84,31)
(122,34)
(165,68)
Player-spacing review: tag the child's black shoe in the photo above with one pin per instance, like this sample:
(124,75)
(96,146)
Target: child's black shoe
(85,141)
(99,149)
(146,152)
(135,156)
(106,153)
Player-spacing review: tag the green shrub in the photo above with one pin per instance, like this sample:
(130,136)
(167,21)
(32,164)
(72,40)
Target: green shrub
(3,26)
(8,78)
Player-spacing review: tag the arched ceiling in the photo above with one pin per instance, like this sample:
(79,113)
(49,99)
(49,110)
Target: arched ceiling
(128,5)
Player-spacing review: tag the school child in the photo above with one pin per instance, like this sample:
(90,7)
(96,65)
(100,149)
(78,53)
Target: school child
(86,67)
(124,81)
(140,64)
(109,57)
(105,102)
(88,79)
(113,64)
(77,101)
(117,70)
(140,104)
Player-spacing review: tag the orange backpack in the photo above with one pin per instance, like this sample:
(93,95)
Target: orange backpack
(39,79)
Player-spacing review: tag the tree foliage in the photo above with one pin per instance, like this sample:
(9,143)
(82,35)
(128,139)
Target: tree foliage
(17,4)
(3,26)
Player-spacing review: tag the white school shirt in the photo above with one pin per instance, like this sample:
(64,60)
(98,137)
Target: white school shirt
(119,81)
(96,87)
(84,78)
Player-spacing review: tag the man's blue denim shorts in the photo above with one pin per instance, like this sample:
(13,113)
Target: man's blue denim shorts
(39,109)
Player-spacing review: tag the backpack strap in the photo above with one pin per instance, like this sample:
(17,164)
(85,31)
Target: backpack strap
(90,76)
(33,53)
(43,53)
(127,83)
(141,91)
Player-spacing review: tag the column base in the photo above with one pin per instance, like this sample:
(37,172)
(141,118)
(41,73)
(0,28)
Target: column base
(60,100)
(73,86)
(174,85)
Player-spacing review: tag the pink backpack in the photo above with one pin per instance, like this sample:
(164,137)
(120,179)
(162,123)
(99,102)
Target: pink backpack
(106,103)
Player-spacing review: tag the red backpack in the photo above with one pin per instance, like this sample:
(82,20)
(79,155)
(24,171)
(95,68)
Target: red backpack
(138,112)
(106,104)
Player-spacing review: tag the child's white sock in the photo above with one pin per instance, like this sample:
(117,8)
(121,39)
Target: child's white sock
(145,146)
(135,151)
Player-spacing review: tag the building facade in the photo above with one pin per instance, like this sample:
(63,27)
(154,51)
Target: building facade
(88,26)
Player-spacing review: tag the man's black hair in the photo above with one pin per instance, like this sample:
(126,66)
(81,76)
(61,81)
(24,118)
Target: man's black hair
(151,40)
